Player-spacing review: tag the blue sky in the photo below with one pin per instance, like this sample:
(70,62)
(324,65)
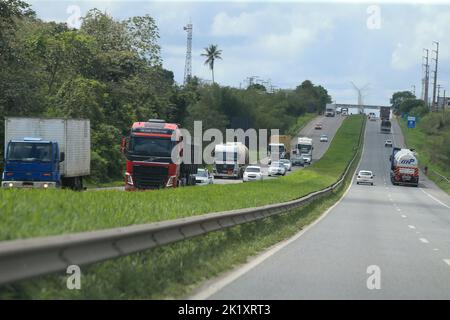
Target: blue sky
(329,42)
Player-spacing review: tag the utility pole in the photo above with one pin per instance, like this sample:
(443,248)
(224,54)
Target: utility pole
(188,63)
(436,52)
(438,94)
(426,78)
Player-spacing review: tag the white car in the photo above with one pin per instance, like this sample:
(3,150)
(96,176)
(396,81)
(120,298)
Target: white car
(277,168)
(287,164)
(203,177)
(323,138)
(365,176)
(252,173)
(388,143)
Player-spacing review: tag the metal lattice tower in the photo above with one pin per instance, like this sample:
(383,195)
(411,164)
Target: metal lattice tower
(188,63)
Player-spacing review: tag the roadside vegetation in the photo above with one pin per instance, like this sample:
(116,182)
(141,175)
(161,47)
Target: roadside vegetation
(174,271)
(430,137)
(32,213)
(111,72)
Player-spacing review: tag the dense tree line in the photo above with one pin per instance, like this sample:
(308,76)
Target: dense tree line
(436,125)
(111,72)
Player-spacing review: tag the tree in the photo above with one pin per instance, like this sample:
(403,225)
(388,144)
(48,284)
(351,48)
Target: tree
(212,53)
(257,86)
(399,97)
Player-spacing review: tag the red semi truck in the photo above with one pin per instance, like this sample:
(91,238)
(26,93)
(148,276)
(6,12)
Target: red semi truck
(154,157)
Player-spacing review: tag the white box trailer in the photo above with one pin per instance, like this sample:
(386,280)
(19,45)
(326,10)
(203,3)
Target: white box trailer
(73,137)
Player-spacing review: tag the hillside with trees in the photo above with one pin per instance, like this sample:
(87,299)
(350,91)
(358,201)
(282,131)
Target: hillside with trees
(110,71)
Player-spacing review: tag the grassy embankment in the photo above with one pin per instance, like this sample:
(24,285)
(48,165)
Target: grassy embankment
(425,145)
(31,213)
(174,270)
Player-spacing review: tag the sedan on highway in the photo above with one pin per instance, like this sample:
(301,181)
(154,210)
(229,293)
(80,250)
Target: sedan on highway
(323,138)
(365,176)
(287,164)
(203,177)
(252,173)
(388,143)
(277,168)
(318,126)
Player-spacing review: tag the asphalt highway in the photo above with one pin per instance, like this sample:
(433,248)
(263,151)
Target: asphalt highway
(378,242)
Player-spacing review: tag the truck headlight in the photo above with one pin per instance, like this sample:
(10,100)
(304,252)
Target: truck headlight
(45,185)
(11,185)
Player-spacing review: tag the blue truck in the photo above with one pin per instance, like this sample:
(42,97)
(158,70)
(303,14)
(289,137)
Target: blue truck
(46,153)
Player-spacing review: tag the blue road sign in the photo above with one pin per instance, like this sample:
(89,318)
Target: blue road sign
(411,122)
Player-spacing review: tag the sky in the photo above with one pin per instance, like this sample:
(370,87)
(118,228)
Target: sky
(332,43)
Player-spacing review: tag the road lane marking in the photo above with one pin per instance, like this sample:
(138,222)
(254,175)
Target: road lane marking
(435,249)
(424,240)
(411,227)
(216,284)
(403,216)
(437,200)
(447,261)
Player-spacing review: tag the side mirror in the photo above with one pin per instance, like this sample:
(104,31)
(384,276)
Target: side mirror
(62,157)
(123,145)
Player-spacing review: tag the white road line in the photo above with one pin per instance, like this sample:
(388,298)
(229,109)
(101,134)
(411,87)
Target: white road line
(398,209)
(435,249)
(411,227)
(214,285)
(437,200)
(424,240)
(447,261)
(403,216)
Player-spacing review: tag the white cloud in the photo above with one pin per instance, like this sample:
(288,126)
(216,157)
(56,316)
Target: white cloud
(434,26)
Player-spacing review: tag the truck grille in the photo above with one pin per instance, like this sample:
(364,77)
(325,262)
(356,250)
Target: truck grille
(224,168)
(150,177)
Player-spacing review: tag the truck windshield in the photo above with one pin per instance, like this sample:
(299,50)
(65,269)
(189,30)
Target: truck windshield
(29,151)
(226,156)
(151,146)
(277,149)
(304,148)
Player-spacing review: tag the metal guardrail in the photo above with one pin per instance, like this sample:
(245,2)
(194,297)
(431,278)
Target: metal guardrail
(440,175)
(22,259)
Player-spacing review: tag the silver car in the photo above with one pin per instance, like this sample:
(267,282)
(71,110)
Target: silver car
(277,168)
(203,177)
(365,176)
(287,164)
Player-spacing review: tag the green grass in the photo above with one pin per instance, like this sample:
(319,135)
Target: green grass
(301,123)
(93,184)
(419,140)
(175,270)
(32,213)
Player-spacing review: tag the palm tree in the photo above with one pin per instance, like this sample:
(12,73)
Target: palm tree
(212,53)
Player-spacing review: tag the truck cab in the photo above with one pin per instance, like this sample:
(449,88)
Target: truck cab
(32,163)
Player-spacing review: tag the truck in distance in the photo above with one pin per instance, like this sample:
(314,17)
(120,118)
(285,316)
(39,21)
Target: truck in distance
(46,153)
(385,116)
(304,149)
(279,147)
(230,159)
(149,162)
(330,110)
(404,167)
